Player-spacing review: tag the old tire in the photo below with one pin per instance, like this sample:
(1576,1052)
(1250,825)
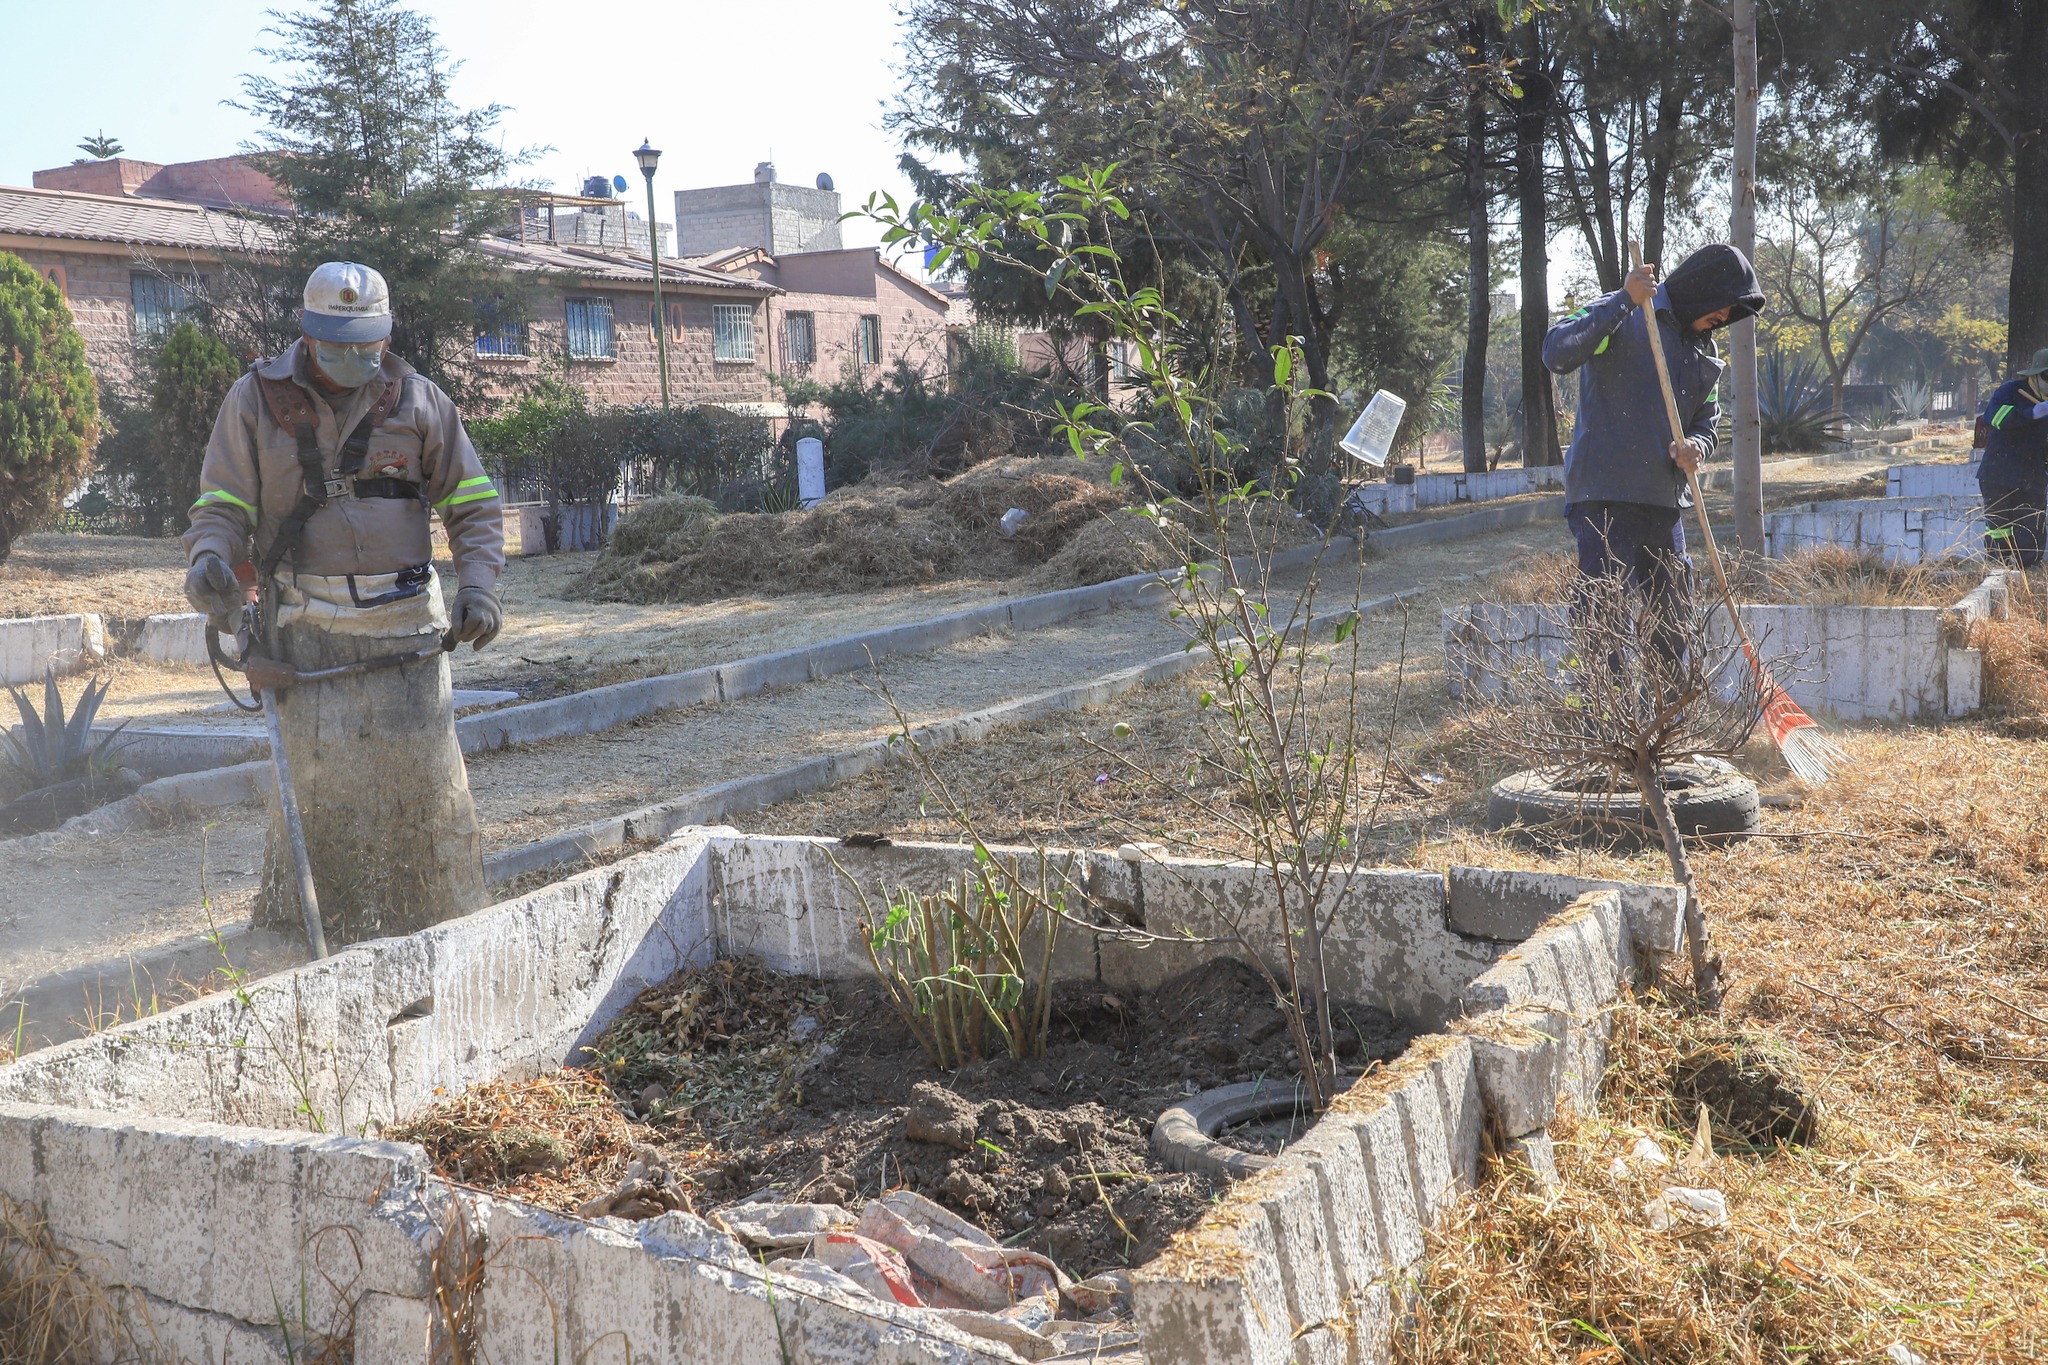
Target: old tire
(1545,806)
(1185,1135)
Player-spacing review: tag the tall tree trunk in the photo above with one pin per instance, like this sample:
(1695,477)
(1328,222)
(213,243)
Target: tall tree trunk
(1608,262)
(1532,109)
(1662,151)
(1479,275)
(2028,309)
(1748,443)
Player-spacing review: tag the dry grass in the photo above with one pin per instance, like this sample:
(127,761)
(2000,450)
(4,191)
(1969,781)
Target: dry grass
(1891,932)
(1826,577)
(121,577)
(555,1140)
(2016,659)
(52,1311)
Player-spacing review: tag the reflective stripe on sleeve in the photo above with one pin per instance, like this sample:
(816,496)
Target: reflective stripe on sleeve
(1998,418)
(1601,349)
(216,495)
(469,490)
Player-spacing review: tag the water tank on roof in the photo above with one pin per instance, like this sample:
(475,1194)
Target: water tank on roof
(596,187)
(764,173)
(824,181)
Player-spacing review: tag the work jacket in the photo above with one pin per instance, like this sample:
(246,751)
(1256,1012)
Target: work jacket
(419,458)
(1620,449)
(2015,445)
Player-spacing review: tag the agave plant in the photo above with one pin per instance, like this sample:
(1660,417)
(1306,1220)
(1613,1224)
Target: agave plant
(49,748)
(1795,406)
(1916,399)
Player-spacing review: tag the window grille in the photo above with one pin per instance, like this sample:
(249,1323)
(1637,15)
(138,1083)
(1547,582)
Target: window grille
(799,341)
(588,323)
(495,338)
(732,332)
(870,339)
(159,303)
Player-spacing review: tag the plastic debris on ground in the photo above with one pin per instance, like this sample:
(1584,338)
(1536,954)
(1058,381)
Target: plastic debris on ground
(907,1250)
(1681,1205)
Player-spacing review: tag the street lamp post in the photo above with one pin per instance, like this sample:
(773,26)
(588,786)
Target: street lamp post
(647,157)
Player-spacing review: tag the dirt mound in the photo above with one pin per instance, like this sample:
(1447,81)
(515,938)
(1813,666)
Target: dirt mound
(1754,1089)
(875,534)
(746,1080)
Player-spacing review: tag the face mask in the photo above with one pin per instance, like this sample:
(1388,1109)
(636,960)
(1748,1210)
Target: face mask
(350,367)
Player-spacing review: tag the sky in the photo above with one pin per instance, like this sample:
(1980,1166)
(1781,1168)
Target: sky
(716,87)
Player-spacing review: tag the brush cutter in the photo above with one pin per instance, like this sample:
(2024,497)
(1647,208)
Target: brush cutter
(269,679)
(1808,752)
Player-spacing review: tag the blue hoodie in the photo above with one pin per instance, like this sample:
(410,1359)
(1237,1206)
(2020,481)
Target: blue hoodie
(1619,450)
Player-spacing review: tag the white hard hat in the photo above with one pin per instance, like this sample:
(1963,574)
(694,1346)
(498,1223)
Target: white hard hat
(346,302)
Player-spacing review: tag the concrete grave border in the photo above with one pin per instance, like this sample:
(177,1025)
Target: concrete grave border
(1853,663)
(182,1132)
(30,644)
(1904,530)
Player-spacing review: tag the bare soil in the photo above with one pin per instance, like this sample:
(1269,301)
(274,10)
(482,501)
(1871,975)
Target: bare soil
(798,1089)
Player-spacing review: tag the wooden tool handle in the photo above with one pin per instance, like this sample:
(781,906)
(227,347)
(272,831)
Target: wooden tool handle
(1699,503)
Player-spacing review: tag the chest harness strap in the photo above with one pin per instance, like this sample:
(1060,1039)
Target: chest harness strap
(292,408)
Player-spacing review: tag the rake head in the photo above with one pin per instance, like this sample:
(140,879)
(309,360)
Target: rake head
(1809,753)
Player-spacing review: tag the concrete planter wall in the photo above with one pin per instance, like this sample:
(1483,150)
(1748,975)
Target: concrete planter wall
(1853,663)
(30,645)
(175,638)
(172,1152)
(1441,490)
(1904,530)
(1932,481)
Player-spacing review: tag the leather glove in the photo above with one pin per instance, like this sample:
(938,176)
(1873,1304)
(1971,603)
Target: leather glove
(210,587)
(475,617)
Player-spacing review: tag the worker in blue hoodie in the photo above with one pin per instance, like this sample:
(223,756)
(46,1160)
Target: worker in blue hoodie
(2014,472)
(1624,479)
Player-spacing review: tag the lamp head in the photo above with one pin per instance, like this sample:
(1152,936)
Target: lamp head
(647,157)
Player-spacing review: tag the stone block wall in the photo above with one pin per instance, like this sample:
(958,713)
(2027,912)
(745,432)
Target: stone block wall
(1853,663)
(1918,481)
(1385,498)
(173,1152)
(1901,530)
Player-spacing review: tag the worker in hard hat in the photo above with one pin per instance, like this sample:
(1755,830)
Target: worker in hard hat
(326,467)
(2014,472)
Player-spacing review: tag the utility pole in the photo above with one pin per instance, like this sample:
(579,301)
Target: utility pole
(1748,444)
(647,157)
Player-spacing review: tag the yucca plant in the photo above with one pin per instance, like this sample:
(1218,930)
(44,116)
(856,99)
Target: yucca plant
(1916,399)
(1795,406)
(51,749)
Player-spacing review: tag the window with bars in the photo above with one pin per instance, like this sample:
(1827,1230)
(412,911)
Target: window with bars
(732,332)
(587,324)
(498,337)
(799,341)
(160,301)
(870,339)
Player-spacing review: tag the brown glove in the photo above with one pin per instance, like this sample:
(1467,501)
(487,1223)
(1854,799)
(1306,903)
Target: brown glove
(475,617)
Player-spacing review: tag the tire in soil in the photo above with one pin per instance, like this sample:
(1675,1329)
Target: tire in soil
(1542,806)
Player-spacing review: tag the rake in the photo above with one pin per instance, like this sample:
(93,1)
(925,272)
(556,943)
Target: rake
(1809,753)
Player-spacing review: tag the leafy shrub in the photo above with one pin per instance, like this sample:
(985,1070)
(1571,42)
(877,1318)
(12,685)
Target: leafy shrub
(153,452)
(49,404)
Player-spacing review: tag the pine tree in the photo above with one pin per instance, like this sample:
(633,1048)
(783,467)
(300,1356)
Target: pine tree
(383,168)
(49,404)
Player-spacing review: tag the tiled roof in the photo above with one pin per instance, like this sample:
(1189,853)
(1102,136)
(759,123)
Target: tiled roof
(592,264)
(139,222)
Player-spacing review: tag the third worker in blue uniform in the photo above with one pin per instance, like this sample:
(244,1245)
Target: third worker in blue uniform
(2014,474)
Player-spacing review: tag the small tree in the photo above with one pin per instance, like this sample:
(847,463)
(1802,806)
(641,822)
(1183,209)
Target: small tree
(49,404)
(1642,682)
(1283,724)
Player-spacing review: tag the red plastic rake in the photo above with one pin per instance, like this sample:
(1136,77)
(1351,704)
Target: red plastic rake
(1809,753)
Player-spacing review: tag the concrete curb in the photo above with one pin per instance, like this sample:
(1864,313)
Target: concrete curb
(30,644)
(1446,529)
(710,805)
